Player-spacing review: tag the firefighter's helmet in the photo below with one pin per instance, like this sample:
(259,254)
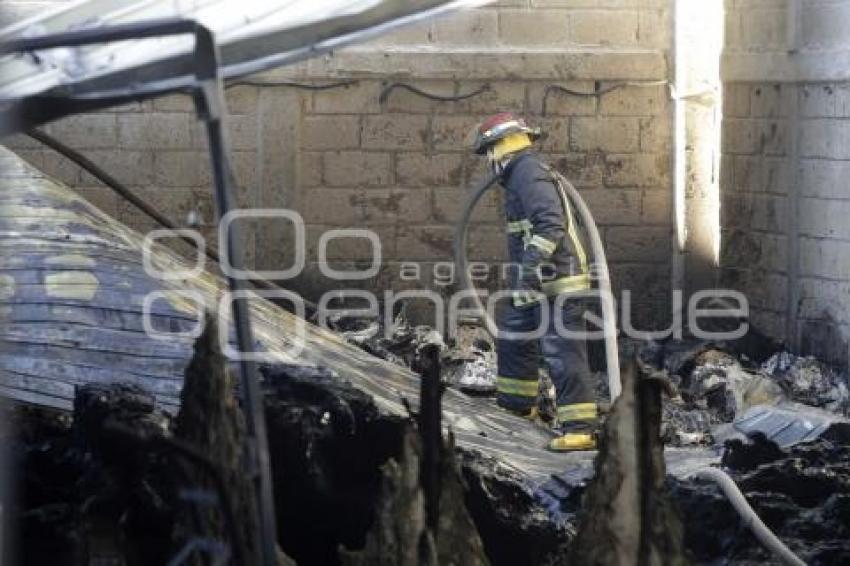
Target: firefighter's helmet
(497,127)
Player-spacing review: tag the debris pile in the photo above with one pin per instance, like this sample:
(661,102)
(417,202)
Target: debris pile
(469,361)
(802,494)
(809,381)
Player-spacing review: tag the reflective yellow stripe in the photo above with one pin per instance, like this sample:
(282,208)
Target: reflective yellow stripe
(566,284)
(518,226)
(571,230)
(518,387)
(546,246)
(577,412)
(526,298)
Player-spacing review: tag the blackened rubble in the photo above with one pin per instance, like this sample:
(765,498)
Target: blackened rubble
(339,462)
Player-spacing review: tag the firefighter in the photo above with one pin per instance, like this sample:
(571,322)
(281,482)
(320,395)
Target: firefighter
(548,260)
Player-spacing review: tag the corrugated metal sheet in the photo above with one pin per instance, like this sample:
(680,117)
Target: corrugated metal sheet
(253,36)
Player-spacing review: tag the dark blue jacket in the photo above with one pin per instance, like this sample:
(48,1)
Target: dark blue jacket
(544,236)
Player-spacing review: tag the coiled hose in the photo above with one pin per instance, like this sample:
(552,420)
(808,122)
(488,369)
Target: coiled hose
(609,321)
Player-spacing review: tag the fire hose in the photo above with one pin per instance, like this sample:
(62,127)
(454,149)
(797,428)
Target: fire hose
(752,521)
(568,194)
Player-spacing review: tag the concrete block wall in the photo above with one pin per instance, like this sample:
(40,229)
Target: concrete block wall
(401,168)
(785,159)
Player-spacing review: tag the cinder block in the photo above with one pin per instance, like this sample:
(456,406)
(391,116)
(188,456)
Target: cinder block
(616,207)
(771,100)
(86,131)
(763,289)
(656,134)
(487,243)
(605,134)
(353,248)
(763,28)
(637,170)
(333,207)
(242,99)
(416,170)
(173,202)
(449,202)
(747,249)
(824,26)
(425,242)
(656,207)
(467,27)
(132,107)
(559,103)
(61,169)
(362,208)
(824,299)
(638,244)
(245,172)
(824,179)
(242,131)
(360,98)
(774,137)
(330,132)
(131,168)
(309,168)
(776,177)
(825,138)
(174,103)
(645,281)
(452,133)
(635,101)
(556,137)
(564,3)
(741,136)
(355,168)
(825,218)
(736,100)
(655,28)
(502,96)
(825,258)
(603,27)
(155,131)
(394,206)
(534,27)
(756,211)
(395,132)
(584,170)
(748,173)
(179,169)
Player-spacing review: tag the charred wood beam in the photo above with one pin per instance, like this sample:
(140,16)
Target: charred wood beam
(627,516)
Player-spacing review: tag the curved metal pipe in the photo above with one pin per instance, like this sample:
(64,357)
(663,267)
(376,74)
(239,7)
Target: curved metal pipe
(609,321)
(749,517)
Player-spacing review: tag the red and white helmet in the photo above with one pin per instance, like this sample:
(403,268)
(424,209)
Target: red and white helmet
(497,127)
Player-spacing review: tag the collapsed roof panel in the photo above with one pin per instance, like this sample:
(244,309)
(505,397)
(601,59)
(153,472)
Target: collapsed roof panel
(253,36)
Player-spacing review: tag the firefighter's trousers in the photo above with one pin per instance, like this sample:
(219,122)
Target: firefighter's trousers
(564,354)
